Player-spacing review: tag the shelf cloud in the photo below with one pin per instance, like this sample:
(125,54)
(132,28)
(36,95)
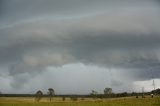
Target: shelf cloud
(97,43)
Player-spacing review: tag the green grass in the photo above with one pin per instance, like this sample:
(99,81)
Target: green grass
(129,101)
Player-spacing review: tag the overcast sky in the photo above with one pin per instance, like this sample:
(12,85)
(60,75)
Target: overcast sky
(75,46)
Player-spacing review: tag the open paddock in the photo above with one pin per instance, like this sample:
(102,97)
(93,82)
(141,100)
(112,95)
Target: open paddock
(58,101)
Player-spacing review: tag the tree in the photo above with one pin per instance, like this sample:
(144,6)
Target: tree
(107,91)
(39,95)
(94,93)
(0,93)
(50,93)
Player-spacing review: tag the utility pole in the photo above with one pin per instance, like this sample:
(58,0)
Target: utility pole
(153,82)
(143,92)
(154,87)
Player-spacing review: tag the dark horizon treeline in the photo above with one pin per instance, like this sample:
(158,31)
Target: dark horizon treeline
(113,95)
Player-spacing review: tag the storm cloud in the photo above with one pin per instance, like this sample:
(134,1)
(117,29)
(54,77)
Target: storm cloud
(97,43)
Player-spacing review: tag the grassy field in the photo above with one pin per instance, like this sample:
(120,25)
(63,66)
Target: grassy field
(128,101)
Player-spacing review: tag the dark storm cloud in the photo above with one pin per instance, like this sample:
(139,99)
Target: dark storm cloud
(104,48)
(37,34)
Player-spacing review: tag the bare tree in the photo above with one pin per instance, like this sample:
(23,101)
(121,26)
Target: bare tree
(39,95)
(94,94)
(108,91)
(50,93)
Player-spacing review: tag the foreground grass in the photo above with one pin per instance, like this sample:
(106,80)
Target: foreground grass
(129,101)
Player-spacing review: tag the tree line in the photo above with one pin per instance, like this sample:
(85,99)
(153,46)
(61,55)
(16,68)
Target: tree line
(108,93)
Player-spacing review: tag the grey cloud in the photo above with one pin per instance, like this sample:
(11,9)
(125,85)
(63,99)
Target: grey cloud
(116,83)
(17,10)
(100,47)
(125,40)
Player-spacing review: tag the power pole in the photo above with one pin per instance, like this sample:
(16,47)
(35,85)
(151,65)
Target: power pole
(143,92)
(153,83)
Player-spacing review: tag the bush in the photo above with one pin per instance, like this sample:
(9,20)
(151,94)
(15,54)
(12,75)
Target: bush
(82,98)
(63,98)
(74,98)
